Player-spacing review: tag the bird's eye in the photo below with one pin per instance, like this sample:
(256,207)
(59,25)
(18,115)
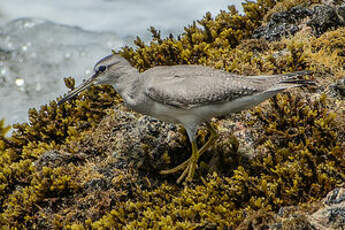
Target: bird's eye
(101,68)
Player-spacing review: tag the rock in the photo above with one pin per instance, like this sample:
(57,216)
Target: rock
(283,24)
(337,89)
(329,215)
(54,158)
(341,13)
(140,141)
(332,215)
(322,18)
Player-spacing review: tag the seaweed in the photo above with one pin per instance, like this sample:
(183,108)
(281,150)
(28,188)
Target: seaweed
(92,164)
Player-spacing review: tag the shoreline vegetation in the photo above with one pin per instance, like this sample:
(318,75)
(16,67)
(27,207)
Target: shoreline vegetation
(94,164)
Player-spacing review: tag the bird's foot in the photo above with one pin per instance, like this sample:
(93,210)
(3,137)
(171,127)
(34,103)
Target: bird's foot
(188,172)
(176,169)
(190,165)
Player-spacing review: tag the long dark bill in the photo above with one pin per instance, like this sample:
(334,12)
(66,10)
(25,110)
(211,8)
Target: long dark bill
(86,84)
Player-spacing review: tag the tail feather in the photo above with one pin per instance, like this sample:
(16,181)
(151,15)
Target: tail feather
(294,78)
(297,73)
(289,80)
(298,82)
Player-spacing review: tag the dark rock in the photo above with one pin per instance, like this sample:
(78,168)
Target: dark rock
(329,214)
(56,158)
(341,13)
(337,215)
(335,197)
(97,184)
(337,89)
(323,19)
(283,24)
(142,142)
(332,214)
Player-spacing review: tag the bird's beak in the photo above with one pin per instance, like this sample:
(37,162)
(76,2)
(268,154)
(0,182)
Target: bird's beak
(86,84)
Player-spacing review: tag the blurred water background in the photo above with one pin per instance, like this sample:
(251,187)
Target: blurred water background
(43,41)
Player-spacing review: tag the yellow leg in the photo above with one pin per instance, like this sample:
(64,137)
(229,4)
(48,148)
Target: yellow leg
(208,144)
(193,162)
(211,140)
(190,165)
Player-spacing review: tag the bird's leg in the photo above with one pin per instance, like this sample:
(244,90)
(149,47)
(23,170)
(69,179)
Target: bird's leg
(188,165)
(211,140)
(192,163)
(197,153)
(177,168)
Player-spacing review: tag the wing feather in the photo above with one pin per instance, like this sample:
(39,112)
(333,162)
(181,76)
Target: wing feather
(188,87)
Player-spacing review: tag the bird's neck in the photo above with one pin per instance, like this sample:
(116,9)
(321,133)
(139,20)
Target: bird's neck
(128,86)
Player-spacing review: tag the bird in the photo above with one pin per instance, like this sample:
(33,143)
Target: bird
(190,95)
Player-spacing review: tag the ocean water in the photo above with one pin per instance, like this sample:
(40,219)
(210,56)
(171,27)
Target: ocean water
(43,41)
(125,17)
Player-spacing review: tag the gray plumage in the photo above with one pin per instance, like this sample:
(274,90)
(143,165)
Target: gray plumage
(189,86)
(187,94)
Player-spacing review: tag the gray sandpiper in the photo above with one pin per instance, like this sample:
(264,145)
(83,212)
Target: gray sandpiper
(187,94)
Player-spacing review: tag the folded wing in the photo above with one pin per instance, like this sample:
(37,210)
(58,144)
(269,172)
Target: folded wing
(191,86)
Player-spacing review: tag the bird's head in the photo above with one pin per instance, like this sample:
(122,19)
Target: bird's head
(106,71)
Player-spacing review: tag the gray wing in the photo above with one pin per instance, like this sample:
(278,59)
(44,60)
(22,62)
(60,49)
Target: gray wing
(188,86)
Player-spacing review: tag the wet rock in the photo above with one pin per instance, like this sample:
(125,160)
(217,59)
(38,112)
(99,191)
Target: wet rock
(341,13)
(324,18)
(337,196)
(141,142)
(329,214)
(56,158)
(98,184)
(283,24)
(337,89)
(333,3)
(332,215)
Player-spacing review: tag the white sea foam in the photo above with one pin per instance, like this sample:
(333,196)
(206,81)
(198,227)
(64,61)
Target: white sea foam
(70,36)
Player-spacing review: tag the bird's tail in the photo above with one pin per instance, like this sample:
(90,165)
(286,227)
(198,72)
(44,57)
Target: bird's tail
(294,78)
(289,80)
